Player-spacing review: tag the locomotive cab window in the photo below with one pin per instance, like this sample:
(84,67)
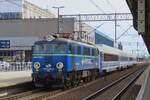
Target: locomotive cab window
(59,48)
(39,48)
(49,48)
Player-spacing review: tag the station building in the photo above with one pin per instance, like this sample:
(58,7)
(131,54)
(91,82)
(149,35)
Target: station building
(23,23)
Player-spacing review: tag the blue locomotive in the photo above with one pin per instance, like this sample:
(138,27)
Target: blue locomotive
(63,61)
(67,62)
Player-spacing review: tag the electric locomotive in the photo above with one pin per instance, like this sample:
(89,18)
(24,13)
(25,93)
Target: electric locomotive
(63,62)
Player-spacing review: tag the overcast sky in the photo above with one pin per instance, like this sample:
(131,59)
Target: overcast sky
(104,6)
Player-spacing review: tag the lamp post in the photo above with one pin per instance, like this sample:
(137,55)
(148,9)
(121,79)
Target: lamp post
(58,11)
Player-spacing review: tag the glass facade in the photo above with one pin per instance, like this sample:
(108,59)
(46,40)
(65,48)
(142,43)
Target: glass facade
(10,15)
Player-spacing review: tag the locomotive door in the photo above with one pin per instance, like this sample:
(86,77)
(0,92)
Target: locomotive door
(72,51)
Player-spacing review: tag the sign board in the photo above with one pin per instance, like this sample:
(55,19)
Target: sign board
(4,43)
(141,16)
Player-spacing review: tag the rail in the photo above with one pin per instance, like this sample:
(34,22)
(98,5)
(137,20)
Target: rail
(97,93)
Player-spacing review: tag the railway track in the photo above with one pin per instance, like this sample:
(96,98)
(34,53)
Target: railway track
(37,94)
(41,95)
(115,90)
(83,91)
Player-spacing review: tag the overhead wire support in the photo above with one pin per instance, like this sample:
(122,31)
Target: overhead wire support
(96,28)
(101,17)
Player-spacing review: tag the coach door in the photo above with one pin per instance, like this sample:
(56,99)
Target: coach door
(101,57)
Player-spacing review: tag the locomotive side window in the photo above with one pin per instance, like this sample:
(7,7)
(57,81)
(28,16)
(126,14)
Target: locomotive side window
(72,49)
(79,50)
(93,52)
(86,51)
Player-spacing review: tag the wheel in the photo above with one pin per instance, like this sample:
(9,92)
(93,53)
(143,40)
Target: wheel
(75,81)
(67,84)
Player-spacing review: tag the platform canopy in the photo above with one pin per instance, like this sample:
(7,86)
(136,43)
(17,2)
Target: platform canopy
(141,10)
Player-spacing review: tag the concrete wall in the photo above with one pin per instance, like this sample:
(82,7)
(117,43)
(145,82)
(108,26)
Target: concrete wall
(34,27)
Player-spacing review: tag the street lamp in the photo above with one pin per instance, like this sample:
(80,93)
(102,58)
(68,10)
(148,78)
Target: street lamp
(58,24)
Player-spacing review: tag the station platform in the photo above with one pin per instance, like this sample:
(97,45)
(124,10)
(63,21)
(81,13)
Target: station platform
(14,77)
(144,82)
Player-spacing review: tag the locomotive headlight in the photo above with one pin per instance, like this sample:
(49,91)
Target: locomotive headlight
(37,66)
(59,65)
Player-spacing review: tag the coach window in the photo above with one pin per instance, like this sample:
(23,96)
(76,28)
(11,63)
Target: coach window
(131,59)
(110,57)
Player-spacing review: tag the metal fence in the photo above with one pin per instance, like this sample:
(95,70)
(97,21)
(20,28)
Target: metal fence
(15,66)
